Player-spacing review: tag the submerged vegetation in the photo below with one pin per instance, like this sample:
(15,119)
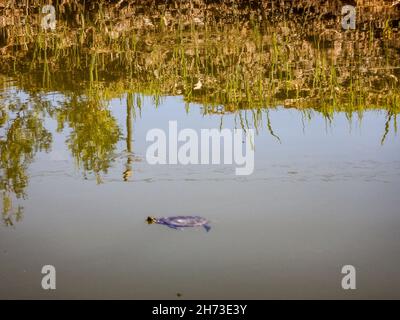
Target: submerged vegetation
(230,56)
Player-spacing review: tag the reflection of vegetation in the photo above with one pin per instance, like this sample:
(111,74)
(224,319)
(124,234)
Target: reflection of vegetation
(94,134)
(129,109)
(226,55)
(241,57)
(92,140)
(23,134)
(387,124)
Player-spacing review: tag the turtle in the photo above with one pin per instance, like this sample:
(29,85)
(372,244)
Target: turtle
(179,222)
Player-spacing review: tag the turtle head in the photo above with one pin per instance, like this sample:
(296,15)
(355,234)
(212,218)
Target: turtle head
(151,220)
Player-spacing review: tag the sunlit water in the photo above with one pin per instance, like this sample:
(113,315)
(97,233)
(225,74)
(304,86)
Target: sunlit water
(323,195)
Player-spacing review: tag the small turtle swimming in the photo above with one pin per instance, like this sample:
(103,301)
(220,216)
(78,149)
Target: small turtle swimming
(179,222)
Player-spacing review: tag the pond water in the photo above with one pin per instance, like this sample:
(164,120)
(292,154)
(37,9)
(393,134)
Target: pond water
(78,100)
(323,194)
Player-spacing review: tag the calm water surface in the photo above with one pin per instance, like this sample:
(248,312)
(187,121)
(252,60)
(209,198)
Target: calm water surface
(323,194)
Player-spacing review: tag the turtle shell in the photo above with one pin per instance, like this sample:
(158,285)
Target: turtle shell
(184,221)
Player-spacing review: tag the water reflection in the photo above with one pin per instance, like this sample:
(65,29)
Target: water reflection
(129,136)
(244,68)
(94,133)
(95,139)
(23,134)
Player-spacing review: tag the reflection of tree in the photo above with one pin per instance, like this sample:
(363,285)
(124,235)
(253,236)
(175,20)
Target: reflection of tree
(22,135)
(94,134)
(129,108)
